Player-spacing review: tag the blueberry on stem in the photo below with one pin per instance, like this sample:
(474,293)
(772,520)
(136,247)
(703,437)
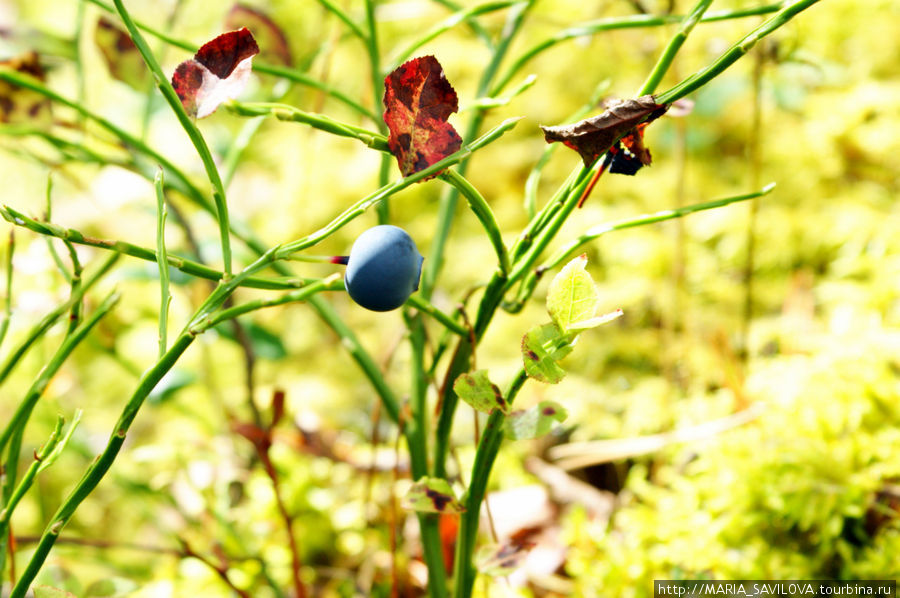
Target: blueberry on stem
(383,268)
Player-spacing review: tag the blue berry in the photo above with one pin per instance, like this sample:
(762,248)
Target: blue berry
(383,268)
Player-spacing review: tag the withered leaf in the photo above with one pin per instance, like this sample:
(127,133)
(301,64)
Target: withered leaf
(218,72)
(594,136)
(19,105)
(418,99)
(121,55)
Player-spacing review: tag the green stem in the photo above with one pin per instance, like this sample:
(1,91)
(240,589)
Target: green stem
(365,203)
(483,212)
(730,56)
(27,479)
(575,245)
(165,298)
(475,26)
(460,16)
(23,411)
(425,306)
(485,455)
(372,49)
(435,261)
(668,55)
(360,355)
(345,18)
(331,283)
(50,319)
(629,22)
(100,465)
(416,432)
(187,123)
(126,138)
(319,121)
(7,301)
(121,247)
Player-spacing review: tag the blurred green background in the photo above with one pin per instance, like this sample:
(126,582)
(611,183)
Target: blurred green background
(809,489)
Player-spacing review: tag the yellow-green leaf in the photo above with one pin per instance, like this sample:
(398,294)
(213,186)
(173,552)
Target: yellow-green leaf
(542,347)
(534,422)
(477,390)
(572,296)
(432,495)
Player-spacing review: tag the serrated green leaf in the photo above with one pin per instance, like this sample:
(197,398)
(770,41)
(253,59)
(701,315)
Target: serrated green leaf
(432,495)
(534,422)
(572,296)
(542,347)
(477,390)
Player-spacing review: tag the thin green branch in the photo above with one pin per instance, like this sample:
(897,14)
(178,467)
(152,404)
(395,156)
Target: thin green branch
(30,83)
(48,212)
(462,15)
(575,245)
(730,56)
(420,303)
(365,362)
(165,297)
(259,67)
(485,455)
(672,48)
(52,318)
(629,22)
(187,123)
(122,247)
(365,203)
(483,212)
(475,26)
(318,121)
(330,283)
(7,300)
(435,262)
(23,411)
(344,18)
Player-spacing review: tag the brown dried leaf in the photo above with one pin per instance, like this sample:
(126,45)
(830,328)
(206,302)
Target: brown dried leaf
(594,136)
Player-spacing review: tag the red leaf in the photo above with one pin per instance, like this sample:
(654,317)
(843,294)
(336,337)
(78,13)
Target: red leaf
(273,45)
(20,105)
(594,136)
(418,99)
(217,72)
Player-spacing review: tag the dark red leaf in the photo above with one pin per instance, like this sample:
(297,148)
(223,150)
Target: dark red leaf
(273,45)
(418,99)
(20,105)
(217,72)
(121,55)
(596,135)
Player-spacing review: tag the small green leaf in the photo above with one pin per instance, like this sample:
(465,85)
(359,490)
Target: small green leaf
(572,296)
(479,392)
(432,495)
(534,422)
(41,591)
(542,347)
